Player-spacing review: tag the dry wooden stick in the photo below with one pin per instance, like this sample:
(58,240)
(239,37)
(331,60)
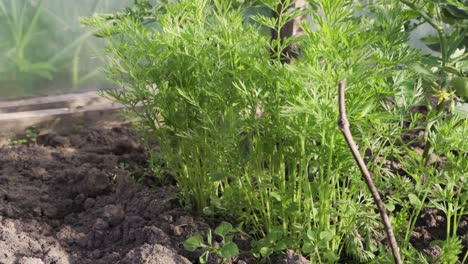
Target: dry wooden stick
(343,124)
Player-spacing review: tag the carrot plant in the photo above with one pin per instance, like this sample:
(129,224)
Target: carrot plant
(443,76)
(253,140)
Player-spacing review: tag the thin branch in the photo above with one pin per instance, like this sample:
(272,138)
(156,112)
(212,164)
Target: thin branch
(343,124)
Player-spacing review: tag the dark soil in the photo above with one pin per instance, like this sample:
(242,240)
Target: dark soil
(69,199)
(65,200)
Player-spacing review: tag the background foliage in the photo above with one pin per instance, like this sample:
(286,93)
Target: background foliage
(44,49)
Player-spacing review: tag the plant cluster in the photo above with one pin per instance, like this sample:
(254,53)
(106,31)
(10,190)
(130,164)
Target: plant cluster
(252,140)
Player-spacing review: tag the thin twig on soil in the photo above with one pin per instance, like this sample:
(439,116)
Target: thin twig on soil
(343,124)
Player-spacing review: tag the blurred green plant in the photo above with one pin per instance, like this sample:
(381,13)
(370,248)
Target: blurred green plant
(19,27)
(30,137)
(43,48)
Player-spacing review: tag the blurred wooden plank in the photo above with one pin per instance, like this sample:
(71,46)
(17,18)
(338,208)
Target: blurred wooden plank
(60,118)
(49,102)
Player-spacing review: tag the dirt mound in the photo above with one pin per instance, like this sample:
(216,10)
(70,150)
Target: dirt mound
(65,200)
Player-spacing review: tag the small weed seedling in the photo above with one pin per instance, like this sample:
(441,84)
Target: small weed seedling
(228,249)
(30,137)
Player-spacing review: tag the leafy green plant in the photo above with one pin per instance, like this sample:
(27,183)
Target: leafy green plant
(253,140)
(450,195)
(448,74)
(227,250)
(436,183)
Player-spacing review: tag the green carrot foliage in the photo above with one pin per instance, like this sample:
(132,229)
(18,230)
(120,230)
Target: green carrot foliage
(253,140)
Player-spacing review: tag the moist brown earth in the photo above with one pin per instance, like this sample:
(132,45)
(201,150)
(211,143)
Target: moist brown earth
(70,199)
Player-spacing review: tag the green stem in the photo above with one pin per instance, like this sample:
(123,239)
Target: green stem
(435,25)
(443,41)
(32,26)
(465,258)
(414,217)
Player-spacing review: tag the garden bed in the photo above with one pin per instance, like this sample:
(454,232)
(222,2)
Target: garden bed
(73,198)
(239,124)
